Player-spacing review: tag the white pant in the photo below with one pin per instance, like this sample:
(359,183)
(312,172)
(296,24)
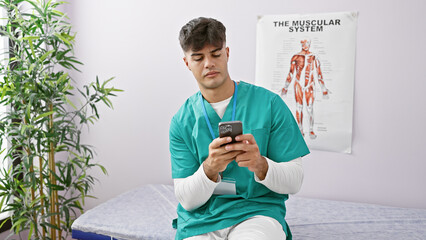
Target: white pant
(254,228)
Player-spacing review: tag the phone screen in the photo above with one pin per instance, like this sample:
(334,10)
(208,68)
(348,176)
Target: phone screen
(230,129)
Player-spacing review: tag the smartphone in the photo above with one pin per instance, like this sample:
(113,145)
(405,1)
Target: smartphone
(230,129)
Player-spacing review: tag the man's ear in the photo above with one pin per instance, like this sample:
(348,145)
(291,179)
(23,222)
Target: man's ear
(227,52)
(186,63)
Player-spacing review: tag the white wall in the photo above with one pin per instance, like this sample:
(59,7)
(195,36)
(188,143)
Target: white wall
(136,41)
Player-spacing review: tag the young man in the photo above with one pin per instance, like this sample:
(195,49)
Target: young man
(235,190)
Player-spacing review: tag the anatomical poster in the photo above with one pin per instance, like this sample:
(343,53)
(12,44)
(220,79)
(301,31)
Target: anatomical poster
(309,60)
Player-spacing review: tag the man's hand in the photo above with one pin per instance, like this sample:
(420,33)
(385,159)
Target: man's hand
(219,158)
(250,156)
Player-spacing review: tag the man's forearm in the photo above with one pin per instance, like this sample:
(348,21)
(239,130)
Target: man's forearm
(193,191)
(284,177)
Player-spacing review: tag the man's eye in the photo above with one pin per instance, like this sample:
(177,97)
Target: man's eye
(198,59)
(216,55)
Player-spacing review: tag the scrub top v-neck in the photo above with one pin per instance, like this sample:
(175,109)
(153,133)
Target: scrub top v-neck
(206,117)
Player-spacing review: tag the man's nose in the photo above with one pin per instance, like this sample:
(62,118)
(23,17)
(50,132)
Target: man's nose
(209,63)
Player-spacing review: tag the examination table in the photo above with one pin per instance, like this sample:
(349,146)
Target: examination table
(147,213)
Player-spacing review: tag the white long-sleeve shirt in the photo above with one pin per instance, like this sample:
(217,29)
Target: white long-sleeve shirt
(195,190)
(284,178)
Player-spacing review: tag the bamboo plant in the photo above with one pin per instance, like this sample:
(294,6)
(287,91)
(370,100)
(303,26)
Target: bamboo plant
(45,187)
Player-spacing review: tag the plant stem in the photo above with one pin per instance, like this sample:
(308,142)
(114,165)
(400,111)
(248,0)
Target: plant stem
(53,193)
(28,151)
(40,159)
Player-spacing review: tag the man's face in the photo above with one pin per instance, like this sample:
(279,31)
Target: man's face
(208,65)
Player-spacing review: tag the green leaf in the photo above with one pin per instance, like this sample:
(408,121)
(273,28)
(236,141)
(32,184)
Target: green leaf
(103,169)
(44,115)
(3,222)
(63,77)
(30,234)
(28,115)
(116,90)
(107,102)
(29,38)
(31,69)
(58,12)
(105,82)
(24,127)
(17,224)
(45,55)
(2,202)
(78,204)
(32,47)
(55,186)
(64,37)
(36,8)
(50,225)
(4,91)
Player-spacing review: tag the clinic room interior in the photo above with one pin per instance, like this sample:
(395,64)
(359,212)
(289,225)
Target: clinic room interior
(136,43)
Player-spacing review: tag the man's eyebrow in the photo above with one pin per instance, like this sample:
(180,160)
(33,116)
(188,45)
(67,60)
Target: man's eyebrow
(199,54)
(217,49)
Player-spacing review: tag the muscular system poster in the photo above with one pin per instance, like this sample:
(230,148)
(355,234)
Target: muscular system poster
(310,61)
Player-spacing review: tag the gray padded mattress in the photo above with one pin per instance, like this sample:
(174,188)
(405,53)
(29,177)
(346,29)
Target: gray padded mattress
(147,213)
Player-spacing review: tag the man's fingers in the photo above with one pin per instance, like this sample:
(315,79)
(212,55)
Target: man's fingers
(243,157)
(240,146)
(222,161)
(216,143)
(245,163)
(246,137)
(230,156)
(225,156)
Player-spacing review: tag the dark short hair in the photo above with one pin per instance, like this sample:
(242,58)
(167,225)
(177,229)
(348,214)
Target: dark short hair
(201,31)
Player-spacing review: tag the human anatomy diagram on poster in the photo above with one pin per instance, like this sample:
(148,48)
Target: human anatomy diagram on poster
(310,61)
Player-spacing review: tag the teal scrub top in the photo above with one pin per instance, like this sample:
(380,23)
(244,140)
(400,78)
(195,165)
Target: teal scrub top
(263,114)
